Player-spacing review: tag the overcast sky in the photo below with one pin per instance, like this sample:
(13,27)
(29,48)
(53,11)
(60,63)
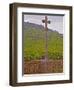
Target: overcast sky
(56,21)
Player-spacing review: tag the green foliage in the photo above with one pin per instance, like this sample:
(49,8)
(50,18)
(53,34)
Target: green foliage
(34,44)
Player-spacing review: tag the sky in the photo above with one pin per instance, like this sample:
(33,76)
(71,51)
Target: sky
(56,21)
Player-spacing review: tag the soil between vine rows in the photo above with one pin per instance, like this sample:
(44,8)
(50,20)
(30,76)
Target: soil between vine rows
(42,66)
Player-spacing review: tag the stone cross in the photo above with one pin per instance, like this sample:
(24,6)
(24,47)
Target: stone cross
(45,21)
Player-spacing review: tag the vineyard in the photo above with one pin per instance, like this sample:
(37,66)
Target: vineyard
(34,47)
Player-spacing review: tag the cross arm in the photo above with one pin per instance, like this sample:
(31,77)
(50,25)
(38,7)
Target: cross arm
(47,21)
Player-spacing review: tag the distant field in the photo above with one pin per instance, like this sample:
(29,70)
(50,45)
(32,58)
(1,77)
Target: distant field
(34,44)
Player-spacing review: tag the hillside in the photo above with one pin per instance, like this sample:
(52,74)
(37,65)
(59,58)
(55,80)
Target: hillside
(34,42)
